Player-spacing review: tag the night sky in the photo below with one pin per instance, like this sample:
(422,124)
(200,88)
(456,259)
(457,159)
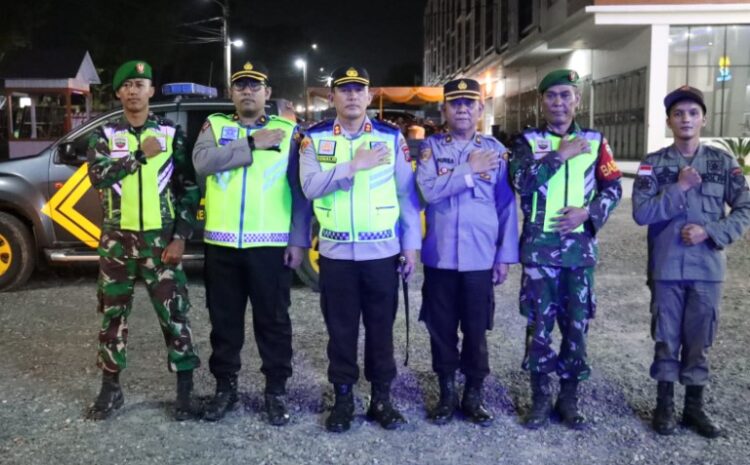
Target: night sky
(384,36)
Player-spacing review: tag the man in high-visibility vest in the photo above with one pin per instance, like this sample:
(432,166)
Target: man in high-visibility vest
(257,227)
(358,172)
(569,184)
(147,187)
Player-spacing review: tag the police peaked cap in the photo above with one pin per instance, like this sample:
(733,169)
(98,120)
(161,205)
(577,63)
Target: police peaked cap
(462,88)
(250,70)
(349,75)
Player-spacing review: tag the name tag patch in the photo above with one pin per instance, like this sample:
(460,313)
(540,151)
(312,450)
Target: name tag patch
(326,147)
(375,143)
(326,158)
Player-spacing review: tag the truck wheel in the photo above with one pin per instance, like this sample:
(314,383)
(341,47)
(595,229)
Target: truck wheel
(309,270)
(17,254)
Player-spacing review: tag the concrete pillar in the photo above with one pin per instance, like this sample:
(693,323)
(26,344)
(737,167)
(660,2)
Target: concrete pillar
(658,69)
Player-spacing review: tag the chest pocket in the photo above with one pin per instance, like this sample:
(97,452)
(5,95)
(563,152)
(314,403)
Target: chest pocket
(484,186)
(713,198)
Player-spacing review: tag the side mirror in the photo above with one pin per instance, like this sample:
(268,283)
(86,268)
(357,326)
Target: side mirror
(68,154)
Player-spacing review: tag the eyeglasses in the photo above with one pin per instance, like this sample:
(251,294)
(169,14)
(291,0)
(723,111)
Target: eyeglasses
(253,86)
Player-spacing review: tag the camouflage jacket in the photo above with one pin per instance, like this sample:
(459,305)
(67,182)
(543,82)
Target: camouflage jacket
(530,174)
(181,192)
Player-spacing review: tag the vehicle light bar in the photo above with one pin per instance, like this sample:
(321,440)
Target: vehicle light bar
(189,88)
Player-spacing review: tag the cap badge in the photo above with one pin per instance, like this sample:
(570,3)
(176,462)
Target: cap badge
(140,67)
(351,72)
(248,66)
(572,76)
(462,85)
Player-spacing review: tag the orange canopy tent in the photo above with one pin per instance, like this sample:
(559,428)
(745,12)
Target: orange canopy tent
(385,95)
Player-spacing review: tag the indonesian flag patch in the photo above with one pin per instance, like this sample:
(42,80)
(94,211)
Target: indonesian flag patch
(645,170)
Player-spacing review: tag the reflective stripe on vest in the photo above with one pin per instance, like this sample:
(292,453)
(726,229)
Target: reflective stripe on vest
(573,185)
(140,192)
(250,206)
(369,211)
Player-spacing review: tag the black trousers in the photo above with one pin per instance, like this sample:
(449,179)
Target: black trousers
(349,289)
(232,276)
(453,299)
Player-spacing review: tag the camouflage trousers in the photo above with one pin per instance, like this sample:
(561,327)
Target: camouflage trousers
(166,285)
(565,295)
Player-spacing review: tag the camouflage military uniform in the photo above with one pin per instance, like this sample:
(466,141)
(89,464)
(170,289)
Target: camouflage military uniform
(558,271)
(127,254)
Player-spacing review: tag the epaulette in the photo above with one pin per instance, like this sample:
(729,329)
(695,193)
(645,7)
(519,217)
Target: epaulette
(222,115)
(385,125)
(719,150)
(281,119)
(164,121)
(324,125)
(662,151)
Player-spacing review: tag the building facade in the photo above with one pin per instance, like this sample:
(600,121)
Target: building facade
(628,53)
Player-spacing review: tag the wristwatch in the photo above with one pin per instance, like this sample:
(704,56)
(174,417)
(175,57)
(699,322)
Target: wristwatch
(251,142)
(140,157)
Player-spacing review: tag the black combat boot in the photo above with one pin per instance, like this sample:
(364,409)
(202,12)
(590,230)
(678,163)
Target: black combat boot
(110,397)
(184,408)
(663,420)
(446,407)
(278,414)
(566,406)
(381,410)
(224,400)
(541,402)
(342,413)
(471,404)
(694,417)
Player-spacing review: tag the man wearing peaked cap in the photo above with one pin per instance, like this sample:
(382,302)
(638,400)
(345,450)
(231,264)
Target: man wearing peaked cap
(681,193)
(569,184)
(472,237)
(257,227)
(358,173)
(150,200)
(349,74)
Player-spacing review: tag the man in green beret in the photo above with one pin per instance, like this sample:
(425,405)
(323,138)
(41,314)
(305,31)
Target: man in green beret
(569,184)
(148,192)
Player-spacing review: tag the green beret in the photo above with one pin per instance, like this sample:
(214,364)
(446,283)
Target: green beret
(135,69)
(566,77)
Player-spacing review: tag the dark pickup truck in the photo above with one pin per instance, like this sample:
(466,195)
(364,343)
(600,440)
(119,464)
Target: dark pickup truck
(49,214)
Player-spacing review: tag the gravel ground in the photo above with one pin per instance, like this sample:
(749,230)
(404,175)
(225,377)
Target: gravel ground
(48,377)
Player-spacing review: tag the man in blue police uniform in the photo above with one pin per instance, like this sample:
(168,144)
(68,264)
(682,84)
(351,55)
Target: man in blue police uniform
(359,174)
(569,184)
(257,227)
(680,192)
(472,237)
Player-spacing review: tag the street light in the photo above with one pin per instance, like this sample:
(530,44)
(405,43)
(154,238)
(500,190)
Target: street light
(302,64)
(213,34)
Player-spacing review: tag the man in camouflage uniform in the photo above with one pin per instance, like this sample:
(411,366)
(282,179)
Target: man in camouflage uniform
(149,196)
(569,184)
(680,192)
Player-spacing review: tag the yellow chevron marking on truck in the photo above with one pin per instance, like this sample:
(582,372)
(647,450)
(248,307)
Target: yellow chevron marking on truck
(61,208)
